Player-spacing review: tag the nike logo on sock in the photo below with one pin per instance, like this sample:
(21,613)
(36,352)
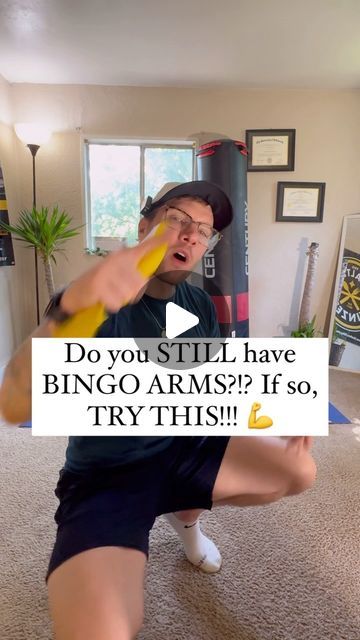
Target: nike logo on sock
(201,561)
(188,526)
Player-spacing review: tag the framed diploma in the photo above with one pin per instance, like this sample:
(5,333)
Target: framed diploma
(271,149)
(300,201)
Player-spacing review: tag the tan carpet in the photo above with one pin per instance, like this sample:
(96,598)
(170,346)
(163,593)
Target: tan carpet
(291,571)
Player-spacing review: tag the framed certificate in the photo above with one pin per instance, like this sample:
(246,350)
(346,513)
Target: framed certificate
(271,149)
(300,201)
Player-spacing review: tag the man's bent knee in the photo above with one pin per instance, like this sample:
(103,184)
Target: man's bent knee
(98,594)
(104,627)
(103,620)
(303,475)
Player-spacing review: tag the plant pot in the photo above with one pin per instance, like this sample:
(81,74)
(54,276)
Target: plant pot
(336,352)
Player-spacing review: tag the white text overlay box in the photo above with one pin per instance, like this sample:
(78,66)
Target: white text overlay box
(109,386)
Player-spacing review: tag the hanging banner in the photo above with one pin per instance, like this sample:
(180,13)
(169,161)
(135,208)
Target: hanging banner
(6,246)
(347,316)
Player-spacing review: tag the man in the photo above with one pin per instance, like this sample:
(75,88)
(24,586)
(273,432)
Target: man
(112,489)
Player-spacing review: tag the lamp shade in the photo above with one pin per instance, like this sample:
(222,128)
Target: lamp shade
(33,132)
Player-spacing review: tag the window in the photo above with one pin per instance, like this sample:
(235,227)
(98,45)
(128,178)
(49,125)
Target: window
(118,176)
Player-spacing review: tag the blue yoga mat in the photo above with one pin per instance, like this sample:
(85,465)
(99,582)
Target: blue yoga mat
(25,425)
(336,417)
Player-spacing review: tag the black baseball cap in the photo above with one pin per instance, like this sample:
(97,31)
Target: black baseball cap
(208,191)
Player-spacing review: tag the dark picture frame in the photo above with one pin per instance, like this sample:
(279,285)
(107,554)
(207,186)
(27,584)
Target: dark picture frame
(300,201)
(270,149)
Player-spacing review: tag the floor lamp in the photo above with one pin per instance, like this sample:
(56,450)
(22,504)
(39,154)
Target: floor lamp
(34,135)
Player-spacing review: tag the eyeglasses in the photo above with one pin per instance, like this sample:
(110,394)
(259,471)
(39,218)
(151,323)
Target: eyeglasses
(179,220)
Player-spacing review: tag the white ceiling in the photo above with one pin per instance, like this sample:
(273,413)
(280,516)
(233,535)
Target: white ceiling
(202,43)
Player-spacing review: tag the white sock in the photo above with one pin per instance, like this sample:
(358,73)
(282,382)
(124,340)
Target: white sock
(199,549)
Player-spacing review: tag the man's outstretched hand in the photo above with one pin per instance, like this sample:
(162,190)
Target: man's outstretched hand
(116,281)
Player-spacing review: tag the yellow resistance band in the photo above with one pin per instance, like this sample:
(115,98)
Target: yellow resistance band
(85,323)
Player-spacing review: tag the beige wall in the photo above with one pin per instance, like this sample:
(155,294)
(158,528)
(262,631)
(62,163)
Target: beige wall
(5,102)
(327,150)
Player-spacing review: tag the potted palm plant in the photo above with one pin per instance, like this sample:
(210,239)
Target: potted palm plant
(46,231)
(306,328)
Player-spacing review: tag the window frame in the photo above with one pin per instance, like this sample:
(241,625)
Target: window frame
(143,144)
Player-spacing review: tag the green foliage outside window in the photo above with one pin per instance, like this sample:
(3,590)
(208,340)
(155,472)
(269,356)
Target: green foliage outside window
(167,165)
(115,183)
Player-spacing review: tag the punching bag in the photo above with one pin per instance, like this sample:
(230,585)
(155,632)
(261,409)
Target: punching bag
(225,268)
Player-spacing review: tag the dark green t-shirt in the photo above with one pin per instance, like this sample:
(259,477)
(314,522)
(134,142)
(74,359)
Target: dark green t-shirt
(86,452)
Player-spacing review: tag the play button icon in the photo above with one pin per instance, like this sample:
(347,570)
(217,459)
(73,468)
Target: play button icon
(172,320)
(178,320)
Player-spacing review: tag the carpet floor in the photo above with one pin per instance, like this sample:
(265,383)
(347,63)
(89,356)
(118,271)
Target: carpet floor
(291,570)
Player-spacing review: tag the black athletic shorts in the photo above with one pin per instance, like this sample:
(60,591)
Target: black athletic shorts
(117,506)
